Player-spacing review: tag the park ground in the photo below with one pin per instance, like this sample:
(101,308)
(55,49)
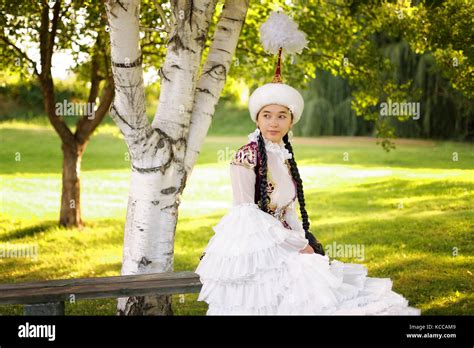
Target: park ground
(411,209)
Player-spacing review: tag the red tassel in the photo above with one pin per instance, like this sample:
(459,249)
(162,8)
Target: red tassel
(277,77)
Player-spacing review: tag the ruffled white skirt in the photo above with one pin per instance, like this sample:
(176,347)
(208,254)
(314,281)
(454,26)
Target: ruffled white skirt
(249,270)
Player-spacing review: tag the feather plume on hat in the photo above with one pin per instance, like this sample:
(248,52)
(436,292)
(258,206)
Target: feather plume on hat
(280,34)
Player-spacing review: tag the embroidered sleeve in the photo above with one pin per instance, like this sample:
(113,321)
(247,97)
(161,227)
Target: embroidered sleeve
(246,156)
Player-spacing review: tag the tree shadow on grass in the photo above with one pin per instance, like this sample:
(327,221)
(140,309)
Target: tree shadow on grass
(50,226)
(29,231)
(414,187)
(369,213)
(41,273)
(427,283)
(461,306)
(414,234)
(370,197)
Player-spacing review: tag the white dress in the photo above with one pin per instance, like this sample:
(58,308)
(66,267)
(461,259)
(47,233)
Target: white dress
(252,264)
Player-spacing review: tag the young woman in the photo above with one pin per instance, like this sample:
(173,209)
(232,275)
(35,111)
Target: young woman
(262,259)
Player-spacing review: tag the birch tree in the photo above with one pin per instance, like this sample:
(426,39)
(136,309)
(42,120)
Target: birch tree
(164,152)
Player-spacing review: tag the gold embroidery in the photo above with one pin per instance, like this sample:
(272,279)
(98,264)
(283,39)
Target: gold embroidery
(271,185)
(246,156)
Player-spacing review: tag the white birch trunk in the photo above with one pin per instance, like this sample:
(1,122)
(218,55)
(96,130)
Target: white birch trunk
(158,152)
(213,77)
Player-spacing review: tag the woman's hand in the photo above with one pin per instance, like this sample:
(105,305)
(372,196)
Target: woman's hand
(307,250)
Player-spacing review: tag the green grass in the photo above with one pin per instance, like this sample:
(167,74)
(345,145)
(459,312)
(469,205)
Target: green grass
(410,209)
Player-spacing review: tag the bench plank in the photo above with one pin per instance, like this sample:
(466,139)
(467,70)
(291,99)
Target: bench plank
(105,287)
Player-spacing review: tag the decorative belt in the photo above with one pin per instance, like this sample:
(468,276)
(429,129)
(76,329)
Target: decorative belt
(279,214)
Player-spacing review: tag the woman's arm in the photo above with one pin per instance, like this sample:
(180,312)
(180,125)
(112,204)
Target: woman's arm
(243,184)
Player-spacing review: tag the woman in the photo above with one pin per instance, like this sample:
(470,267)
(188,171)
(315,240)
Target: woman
(262,259)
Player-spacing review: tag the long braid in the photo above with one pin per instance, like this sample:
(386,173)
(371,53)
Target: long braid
(263,177)
(300,194)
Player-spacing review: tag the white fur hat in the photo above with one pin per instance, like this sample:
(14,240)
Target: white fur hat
(276,93)
(279,35)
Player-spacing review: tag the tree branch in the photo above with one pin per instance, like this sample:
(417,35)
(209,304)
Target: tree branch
(163,16)
(45,78)
(21,53)
(95,80)
(210,85)
(86,126)
(128,108)
(54,27)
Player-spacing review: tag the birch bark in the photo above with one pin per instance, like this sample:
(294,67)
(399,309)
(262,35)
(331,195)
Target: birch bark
(159,151)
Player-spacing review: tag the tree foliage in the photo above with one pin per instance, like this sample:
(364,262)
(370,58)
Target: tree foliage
(350,39)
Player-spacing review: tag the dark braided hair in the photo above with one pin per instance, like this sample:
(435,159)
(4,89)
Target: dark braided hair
(315,244)
(264,199)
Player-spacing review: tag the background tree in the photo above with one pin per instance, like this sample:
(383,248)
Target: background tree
(52,26)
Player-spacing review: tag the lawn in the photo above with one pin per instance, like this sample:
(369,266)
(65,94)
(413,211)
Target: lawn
(410,210)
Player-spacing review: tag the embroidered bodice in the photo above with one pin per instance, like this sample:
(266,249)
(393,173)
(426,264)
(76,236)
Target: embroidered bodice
(281,187)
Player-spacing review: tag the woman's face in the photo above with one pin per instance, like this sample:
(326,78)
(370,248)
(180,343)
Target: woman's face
(274,121)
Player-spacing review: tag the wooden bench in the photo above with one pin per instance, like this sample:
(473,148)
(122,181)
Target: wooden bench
(48,297)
